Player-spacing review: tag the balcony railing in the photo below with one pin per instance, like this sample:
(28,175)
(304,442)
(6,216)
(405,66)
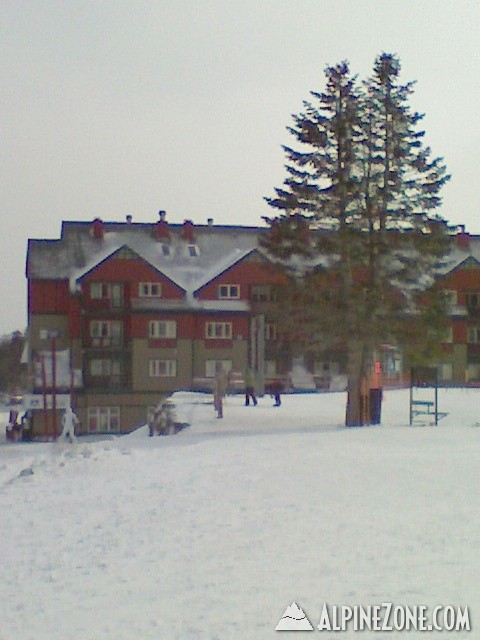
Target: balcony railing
(153,304)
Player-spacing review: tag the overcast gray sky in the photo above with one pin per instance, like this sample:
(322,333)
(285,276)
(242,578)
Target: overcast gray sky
(113,107)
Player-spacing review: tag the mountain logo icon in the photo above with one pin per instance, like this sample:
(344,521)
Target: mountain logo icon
(294,619)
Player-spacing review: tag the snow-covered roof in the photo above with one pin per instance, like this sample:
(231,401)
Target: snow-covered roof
(189,264)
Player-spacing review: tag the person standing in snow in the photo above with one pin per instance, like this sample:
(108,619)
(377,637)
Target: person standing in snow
(250,387)
(277,388)
(219,389)
(69,422)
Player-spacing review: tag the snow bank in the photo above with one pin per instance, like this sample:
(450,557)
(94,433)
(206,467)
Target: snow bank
(212,533)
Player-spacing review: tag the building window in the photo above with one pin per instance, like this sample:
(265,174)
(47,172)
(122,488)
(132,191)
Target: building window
(99,290)
(270,331)
(108,291)
(451,297)
(472,300)
(270,368)
(102,419)
(263,293)
(192,250)
(445,372)
(125,253)
(103,367)
(473,372)
(473,336)
(163,368)
(150,290)
(106,333)
(229,291)
(448,335)
(158,329)
(211,367)
(218,330)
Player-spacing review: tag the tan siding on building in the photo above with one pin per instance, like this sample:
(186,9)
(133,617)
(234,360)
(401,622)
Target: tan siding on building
(142,353)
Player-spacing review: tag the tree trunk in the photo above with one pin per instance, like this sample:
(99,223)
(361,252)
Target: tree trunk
(357,398)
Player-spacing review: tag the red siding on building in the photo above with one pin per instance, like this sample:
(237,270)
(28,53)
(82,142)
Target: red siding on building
(133,271)
(191,326)
(139,324)
(244,273)
(462,280)
(48,296)
(75,317)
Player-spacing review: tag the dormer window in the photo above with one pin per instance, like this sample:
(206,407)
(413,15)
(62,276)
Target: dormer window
(150,290)
(229,291)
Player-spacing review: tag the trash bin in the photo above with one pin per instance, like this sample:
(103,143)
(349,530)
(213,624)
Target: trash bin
(375,401)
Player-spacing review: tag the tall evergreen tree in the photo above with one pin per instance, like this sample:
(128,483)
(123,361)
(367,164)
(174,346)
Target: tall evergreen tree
(11,348)
(357,228)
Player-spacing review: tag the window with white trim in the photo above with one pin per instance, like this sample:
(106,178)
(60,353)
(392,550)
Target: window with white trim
(473,372)
(211,367)
(163,368)
(263,293)
(448,335)
(150,289)
(451,297)
(109,291)
(270,368)
(229,291)
(218,330)
(473,335)
(472,299)
(99,290)
(106,332)
(103,367)
(158,329)
(102,419)
(445,371)
(270,331)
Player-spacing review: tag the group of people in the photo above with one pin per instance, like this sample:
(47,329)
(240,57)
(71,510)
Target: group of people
(221,387)
(20,428)
(163,420)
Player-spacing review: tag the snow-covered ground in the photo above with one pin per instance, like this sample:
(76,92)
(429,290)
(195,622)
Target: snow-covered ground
(212,533)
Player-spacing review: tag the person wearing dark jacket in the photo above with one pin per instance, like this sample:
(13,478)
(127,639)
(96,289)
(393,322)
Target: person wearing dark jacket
(250,387)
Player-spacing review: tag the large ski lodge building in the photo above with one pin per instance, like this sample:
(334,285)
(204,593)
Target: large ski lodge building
(122,313)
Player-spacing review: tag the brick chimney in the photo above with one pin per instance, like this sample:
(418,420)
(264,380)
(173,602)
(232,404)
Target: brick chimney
(97,229)
(463,238)
(161,230)
(188,231)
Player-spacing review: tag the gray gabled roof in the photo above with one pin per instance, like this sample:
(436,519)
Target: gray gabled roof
(77,252)
(218,248)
